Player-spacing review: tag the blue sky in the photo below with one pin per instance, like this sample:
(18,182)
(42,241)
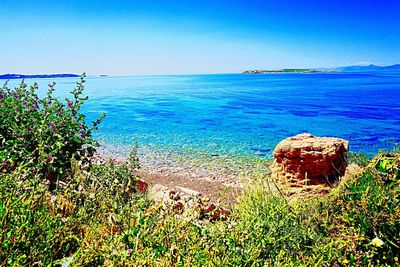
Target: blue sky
(182,37)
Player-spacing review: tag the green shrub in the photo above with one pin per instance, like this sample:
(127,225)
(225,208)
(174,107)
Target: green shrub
(33,232)
(366,213)
(43,134)
(105,188)
(38,227)
(272,230)
(358,158)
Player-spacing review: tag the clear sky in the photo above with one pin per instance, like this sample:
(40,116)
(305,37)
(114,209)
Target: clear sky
(181,37)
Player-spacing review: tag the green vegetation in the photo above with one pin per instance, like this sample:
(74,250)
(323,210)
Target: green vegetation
(42,135)
(94,214)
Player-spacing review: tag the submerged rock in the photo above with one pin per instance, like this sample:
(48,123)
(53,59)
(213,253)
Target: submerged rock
(311,158)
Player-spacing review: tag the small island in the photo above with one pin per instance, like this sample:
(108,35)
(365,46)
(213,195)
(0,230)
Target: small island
(9,76)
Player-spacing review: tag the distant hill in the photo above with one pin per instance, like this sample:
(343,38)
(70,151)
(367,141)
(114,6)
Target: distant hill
(287,71)
(371,67)
(23,76)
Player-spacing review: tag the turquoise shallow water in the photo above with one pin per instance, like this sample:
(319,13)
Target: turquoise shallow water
(241,115)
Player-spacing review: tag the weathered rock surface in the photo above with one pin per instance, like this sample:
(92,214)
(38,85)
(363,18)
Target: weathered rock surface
(311,158)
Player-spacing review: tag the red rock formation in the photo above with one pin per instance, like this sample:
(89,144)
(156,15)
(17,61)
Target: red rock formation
(305,156)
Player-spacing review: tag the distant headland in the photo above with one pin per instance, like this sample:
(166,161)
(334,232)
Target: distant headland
(368,68)
(23,76)
(286,71)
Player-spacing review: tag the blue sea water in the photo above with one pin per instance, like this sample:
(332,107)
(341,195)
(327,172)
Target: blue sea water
(241,115)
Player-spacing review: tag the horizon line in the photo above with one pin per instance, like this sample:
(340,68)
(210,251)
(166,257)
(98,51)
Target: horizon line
(181,74)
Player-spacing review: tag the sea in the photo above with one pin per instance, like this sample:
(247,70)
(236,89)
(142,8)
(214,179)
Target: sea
(237,114)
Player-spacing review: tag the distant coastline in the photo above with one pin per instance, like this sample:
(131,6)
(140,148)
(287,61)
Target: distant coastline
(286,71)
(23,76)
(368,68)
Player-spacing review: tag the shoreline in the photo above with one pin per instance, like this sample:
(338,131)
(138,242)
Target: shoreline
(228,169)
(219,179)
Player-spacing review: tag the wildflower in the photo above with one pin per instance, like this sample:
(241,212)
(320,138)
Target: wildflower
(50,159)
(2,95)
(377,242)
(81,126)
(5,164)
(129,251)
(82,136)
(30,128)
(69,104)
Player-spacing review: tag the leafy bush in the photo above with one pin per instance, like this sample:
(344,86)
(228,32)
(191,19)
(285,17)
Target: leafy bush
(43,134)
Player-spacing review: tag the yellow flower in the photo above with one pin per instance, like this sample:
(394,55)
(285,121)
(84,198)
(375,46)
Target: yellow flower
(345,261)
(396,259)
(377,242)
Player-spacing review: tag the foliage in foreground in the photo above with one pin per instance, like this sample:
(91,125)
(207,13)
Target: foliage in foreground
(97,216)
(107,222)
(42,134)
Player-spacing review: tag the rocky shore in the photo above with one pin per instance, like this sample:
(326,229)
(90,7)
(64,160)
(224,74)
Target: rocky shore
(303,163)
(204,176)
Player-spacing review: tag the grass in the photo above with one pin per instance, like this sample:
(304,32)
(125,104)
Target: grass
(99,219)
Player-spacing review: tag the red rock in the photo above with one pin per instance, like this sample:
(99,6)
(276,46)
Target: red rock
(305,156)
(141,186)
